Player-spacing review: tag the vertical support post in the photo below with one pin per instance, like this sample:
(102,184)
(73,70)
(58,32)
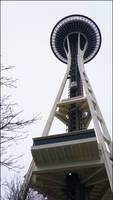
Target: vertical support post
(74,189)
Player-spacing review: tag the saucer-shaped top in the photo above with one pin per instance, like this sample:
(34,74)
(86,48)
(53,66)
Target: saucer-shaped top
(78,24)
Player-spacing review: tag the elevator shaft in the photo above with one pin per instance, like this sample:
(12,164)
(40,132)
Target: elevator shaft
(75,116)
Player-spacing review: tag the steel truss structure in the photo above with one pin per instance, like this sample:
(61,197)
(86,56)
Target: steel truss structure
(76,165)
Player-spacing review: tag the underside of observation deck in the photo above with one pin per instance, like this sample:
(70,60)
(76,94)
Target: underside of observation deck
(54,185)
(64,157)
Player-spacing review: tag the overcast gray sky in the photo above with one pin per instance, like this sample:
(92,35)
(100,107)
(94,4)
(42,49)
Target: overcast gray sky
(26,29)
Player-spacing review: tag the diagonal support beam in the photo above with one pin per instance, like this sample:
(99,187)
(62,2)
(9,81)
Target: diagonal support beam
(92,175)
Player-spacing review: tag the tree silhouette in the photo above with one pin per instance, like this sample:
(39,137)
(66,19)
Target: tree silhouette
(12,190)
(12,126)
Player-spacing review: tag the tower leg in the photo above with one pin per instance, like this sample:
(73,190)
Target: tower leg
(53,110)
(100,128)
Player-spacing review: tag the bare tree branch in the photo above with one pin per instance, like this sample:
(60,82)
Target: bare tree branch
(12,126)
(4,80)
(12,190)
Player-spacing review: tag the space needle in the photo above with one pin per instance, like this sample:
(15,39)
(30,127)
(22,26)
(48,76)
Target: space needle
(72,36)
(77,164)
